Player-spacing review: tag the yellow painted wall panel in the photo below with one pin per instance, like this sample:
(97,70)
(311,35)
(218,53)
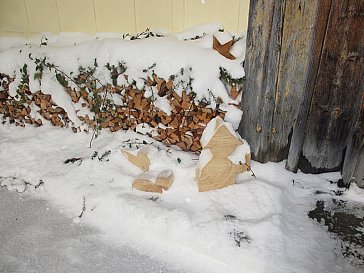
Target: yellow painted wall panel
(13,16)
(153,14)
(243,16)
(26,16)
(76,15)
(206,11)
(43,15)
(115,15)
(178,12)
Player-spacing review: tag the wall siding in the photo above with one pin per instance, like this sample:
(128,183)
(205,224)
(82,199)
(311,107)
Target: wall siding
(35,16)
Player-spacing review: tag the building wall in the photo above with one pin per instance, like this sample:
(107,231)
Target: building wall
(34,16)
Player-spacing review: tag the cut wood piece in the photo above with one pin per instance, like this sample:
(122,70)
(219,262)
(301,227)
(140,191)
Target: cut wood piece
(166,119)
(176,96)
(223,49)
(140,160)
(216,169)
(182,145)
(154,181)
(186,105)
(169,85)
(234,92)
(175,122)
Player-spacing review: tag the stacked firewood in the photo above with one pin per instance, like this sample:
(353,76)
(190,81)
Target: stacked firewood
(19,111)
(182,127)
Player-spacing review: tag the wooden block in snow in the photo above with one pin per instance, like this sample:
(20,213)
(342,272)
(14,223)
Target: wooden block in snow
(140,160)
(222,147)
(154,181)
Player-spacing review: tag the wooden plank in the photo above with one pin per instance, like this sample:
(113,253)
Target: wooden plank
(313,61)
(262,60)
(353,168)
(297,34)
(339,79)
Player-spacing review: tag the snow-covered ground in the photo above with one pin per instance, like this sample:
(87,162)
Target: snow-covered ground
(256,225)
(36,237)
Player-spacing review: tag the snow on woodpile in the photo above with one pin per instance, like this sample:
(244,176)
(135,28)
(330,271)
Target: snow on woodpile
(175,81)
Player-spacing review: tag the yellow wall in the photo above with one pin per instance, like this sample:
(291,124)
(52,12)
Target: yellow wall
(34,16)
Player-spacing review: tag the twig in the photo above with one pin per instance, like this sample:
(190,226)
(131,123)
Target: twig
(83,207)
(250,169)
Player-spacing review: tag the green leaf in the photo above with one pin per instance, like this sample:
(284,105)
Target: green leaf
(179,160)
(61,79)
(37,76)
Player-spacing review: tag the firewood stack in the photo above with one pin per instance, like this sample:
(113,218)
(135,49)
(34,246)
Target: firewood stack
(182,127)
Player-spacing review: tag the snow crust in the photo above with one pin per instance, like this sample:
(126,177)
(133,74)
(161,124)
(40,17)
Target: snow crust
(191,231)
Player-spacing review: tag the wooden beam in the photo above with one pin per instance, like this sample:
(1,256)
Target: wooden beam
(299,16)
(262,61)
(353,168)
(339,81)
(310,75)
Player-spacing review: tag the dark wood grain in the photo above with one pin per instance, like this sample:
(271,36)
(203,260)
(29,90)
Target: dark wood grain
(339,80)
(307,83)
(298,30)
(353,168)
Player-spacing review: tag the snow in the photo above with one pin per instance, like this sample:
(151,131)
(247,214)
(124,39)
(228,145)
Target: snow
(199,30)
(166,55)
(210,130)
(223,37)
(205,156)
(238,155)
(36,236)
(153,175)
(238,48)
(355,193)
(255,225)
(13,184)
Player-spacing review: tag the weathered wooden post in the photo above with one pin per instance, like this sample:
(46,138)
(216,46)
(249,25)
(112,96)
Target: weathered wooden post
(302,99)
